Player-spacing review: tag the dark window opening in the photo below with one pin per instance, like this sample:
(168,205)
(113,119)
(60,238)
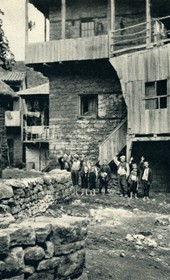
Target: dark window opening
(89,105)
(156,95)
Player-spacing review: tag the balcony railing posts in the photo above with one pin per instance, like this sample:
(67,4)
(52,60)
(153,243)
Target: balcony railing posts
(148,23)
(112,18)
(63,18)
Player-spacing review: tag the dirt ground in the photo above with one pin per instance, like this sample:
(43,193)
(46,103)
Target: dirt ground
(127,239)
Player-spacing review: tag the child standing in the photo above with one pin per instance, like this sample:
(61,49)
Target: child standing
(104,177)
(75,168)
(84,172)
(92,180)
(146,179)
(133,180)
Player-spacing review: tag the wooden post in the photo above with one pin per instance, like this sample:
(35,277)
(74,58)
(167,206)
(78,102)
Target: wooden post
(148,22)
(113,14)
(129,144)
(45,29)
(26,22)
(63,18)
(112,24)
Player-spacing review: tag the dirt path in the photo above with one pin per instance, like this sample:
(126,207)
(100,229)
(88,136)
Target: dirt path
(124,241)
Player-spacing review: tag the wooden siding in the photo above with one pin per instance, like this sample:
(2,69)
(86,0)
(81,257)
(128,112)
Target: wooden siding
(114,143)
(67,50)
(134,70)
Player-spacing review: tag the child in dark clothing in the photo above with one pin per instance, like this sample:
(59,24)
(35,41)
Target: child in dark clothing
(84,173)
(92,180)
(133,181)
(104,177)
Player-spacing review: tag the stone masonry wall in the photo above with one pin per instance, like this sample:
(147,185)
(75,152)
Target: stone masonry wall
(131,11)
(43,249)
(29,197)
(71,131)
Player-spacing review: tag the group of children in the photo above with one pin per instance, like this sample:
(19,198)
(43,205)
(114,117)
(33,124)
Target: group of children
(130,175)
(88,174)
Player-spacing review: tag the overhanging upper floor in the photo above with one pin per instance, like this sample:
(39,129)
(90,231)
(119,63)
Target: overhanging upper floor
(87,48)
(96,29)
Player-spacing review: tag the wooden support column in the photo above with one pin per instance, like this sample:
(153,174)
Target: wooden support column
(112,24)
(45,29)
(113,14)
(26,22)
(129,144)
(148,22)
(63,18)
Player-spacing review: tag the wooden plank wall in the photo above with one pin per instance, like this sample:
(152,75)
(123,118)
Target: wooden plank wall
(134,70)
(68,50)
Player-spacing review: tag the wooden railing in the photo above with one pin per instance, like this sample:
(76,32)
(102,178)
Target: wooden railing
(114,143)
(95,47)
(12,118)
(139,36)
(37,133)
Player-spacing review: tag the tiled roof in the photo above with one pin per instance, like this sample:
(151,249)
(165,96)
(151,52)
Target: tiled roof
(42,89)
(12,76)
(6,90)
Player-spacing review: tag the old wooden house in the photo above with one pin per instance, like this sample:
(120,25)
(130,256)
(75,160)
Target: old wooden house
(108,64)
(35,131)
(6,97)
(16,81)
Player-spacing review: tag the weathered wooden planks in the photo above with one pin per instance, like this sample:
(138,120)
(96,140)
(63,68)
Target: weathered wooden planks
(95,47)
(134,70)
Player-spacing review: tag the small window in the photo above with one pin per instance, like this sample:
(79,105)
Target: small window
(87,28)
(156,95)
(89,105)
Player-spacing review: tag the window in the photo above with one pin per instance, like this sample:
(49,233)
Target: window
(89,105)
(87,28)
(156,95)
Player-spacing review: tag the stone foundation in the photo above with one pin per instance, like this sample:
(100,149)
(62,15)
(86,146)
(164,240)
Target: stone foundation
(31,197)
(43,249)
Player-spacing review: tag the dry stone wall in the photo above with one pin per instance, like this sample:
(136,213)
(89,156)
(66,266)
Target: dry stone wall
(43,249)
(30,197)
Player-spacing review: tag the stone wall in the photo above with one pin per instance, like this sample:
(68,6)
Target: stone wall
(30,197)
(72,131)
(76,11)
(97,11)
(43,249)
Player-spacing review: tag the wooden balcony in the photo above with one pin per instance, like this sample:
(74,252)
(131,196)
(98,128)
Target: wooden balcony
(96,47)
(37,134)
(144,35)
(12,119)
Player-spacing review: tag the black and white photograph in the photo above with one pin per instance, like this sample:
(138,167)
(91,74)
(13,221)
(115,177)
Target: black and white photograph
(84,139)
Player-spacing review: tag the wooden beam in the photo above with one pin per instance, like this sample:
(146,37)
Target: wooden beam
(26,22)
(63,18)
(148,22)
(150,138)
